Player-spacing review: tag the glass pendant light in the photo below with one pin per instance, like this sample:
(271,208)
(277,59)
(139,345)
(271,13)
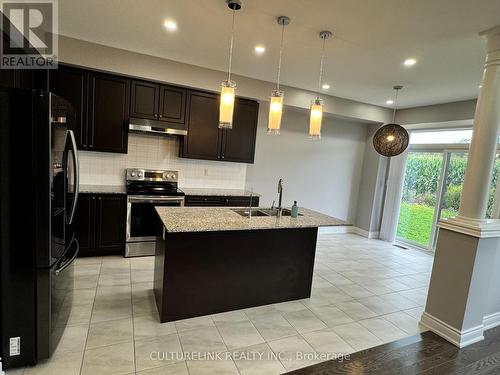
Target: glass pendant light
(391,139)
(228,87)
(316,109)
(277,96)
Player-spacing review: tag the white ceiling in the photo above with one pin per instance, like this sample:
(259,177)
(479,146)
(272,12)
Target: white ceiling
(364,60)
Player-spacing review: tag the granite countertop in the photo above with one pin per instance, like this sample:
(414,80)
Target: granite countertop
(103,189)
(218,192)
(210,219)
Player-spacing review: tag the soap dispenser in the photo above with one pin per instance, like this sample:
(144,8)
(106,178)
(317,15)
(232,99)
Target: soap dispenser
(295,209)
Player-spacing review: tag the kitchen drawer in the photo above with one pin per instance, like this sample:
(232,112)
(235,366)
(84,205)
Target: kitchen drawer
(241,201)
(201,200)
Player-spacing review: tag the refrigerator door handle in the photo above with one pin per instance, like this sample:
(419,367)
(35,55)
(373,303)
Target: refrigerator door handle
(63,265)
(76,173)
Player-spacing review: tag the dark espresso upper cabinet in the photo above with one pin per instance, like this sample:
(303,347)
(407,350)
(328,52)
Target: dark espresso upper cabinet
(172,104)
(205,140)
(104,104)
(72,84)
(157,102)
(238,143)
(108,113)
(144,99)
(101,102)
(20,78)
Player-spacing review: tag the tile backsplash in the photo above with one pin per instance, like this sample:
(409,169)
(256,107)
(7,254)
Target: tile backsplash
(159,152)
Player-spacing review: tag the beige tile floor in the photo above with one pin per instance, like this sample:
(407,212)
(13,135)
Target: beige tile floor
(365,293)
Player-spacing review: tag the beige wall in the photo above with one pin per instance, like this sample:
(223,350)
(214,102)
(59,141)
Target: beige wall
(97,56)
(456,111)
(372,187)
(322,175)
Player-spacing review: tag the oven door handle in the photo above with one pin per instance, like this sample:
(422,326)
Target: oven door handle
(129,221)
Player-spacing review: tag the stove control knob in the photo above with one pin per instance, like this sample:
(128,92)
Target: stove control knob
(139,174)
(132,174)
(171,176)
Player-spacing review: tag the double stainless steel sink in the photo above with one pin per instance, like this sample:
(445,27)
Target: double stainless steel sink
(262,212)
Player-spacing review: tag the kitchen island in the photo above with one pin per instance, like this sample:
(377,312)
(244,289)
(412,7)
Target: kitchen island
(214,259)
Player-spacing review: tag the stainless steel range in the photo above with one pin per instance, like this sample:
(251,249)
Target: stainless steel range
(147,188)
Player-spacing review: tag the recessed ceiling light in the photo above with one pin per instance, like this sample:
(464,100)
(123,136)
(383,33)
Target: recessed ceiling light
(325,86)
(409,62)
(259,50)
(480,86)
(170,25)
(389,102)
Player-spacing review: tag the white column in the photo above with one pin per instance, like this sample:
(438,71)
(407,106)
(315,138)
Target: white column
(459,304)
(483,147)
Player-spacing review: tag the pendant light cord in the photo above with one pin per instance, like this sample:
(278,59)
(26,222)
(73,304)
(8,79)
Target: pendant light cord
(231,48)
(281,55)
(321,66)
(395,104)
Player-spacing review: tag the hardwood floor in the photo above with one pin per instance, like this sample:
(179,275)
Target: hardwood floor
(426,353)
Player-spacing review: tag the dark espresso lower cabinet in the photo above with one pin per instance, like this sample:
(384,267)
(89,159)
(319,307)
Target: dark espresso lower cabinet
(100,224)
(220,201)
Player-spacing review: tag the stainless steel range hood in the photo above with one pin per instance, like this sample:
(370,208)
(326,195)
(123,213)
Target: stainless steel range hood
(155,127)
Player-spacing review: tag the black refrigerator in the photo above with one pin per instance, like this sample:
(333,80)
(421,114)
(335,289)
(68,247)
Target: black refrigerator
(38,198)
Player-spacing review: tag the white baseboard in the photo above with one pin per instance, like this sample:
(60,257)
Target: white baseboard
(365,233)
(349,229)
(491,321)
(451,334)
(335,230)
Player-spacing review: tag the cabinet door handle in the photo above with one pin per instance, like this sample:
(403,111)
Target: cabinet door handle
(160,116)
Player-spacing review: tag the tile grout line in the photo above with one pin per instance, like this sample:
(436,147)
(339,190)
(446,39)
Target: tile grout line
(373,332)
(90,319)
(132,311)
(227,348)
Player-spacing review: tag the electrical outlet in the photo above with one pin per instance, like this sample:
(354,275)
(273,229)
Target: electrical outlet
(14,346)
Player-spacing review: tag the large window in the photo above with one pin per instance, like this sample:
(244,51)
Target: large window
(441,137)
(420,194)
(433,182)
